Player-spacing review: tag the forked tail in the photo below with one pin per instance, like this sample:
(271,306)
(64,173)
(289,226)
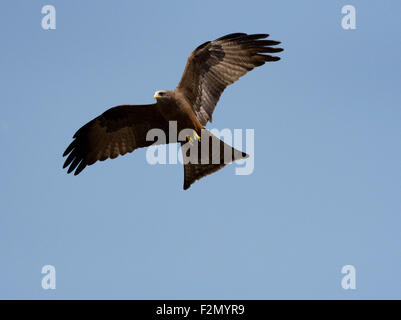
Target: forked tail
(207,156)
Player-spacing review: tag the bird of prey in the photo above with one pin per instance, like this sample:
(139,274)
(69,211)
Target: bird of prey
(210,68)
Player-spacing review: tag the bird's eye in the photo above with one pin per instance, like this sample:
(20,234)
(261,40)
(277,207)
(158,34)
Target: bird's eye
(161,93)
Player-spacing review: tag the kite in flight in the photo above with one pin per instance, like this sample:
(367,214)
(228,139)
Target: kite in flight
(210,68)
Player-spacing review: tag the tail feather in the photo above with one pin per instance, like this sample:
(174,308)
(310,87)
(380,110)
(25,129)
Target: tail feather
(207,157)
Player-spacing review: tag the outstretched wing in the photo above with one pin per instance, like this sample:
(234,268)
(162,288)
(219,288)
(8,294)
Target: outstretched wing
(117,131)
(216,64)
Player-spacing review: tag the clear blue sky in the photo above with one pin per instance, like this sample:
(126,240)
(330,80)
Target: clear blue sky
(326,187)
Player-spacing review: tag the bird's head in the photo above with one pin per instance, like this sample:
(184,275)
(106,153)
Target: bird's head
(161,95)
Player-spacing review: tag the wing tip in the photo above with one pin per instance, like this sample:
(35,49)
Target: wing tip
(274,58)
(243,36)
(232,36)
(79,170)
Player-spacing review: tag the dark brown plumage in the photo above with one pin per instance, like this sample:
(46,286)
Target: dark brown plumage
(209,70)
(214,65)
